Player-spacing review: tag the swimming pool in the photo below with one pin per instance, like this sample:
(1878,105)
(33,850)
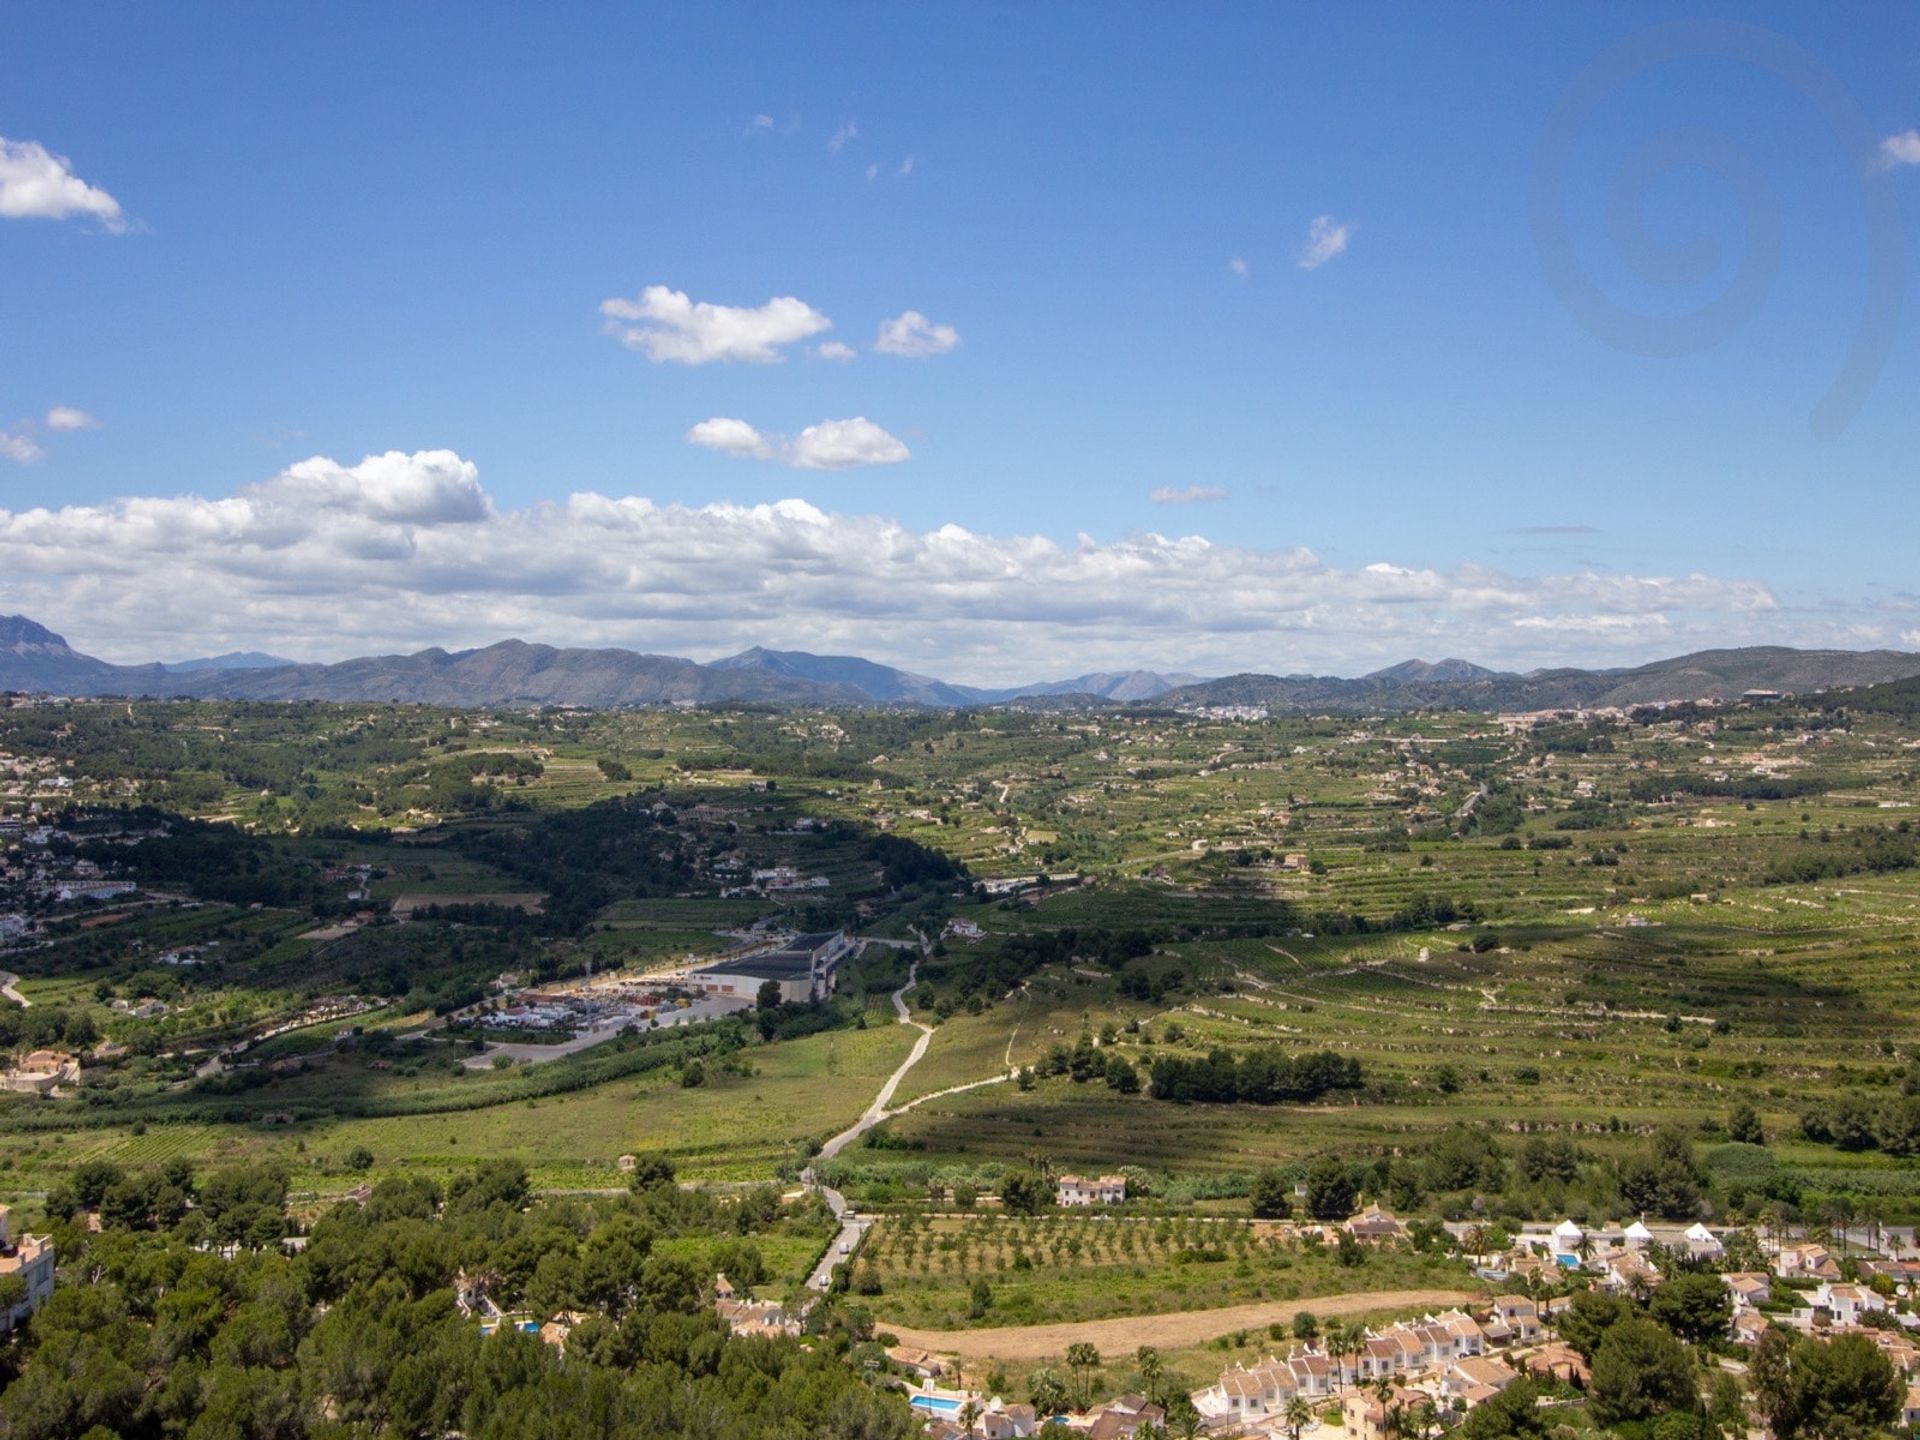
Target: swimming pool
(936,1404)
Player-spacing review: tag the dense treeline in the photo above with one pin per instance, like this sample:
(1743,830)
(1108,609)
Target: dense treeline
(1256,1077)
(359,1334)
(1852,1124)
(1875,850)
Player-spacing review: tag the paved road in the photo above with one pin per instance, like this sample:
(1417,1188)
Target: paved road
(854,1227)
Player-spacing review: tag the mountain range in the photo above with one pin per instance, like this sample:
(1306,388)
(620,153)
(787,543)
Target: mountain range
(35,659)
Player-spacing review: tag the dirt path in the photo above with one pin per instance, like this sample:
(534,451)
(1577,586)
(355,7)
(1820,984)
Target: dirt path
(1124,1334)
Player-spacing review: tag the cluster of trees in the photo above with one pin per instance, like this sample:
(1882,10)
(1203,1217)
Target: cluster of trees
(1853,1124)
(1083,1063)
(1665,1181)
(46,1027)
(1873,850)
(1648,1380)
(239,1205)
(359,1334)
(1256,1077)
(213,862)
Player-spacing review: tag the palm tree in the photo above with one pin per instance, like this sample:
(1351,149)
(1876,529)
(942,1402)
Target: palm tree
(1299,1415)
(969,1412)
(1152,1369)
(1083,1359)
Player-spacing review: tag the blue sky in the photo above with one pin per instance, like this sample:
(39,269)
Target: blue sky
(346,231)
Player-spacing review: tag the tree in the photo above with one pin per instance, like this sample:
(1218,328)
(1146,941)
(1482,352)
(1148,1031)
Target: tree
(1330,1190)
(1299,1415)
(1272,1194)
(768,996)
(1305,1326)
(1695,1307)
(1046,1391)
(1083,1358)
(1744,1126)
(981,1298)
(1513,1414)
(1022,1192)
(1839,1390)
(650,1172)
(1588,1316)
(1640,1372)
(1151,1367)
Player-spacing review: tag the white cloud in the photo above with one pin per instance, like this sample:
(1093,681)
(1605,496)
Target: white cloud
(914,336)
(1326,238)
(730,437)
(65,417)
(830,445)
(398,552)
(834,350)
(1239,267)
(1901,149)
(761,124)
(429,487)
(669,327)
(873,172)
(1910,637)
(21,448)
(838,140)
(36,184)
(1187,495)
(906,167)
(840,444)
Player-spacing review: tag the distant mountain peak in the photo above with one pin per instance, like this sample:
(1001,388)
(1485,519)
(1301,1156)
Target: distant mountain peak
(232,660)
(18,633)
(1450,671)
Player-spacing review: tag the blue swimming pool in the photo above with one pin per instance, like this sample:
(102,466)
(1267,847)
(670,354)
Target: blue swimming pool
(936,1404)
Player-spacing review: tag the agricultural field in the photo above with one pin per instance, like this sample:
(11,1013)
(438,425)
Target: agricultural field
(1079,1268)
(1581,930)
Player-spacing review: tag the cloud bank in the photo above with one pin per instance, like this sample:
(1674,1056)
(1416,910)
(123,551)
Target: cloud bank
(401,551)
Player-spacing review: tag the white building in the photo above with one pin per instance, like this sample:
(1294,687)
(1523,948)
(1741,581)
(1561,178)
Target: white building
(1077,1190)
(30,1257)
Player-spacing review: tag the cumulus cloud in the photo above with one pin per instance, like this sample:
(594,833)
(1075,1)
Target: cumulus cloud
(830,445)
(399,551)
(23,449)
(670,327)
(834,350)
(839,139)
(1239,268)
(1186,495)
(912,335)
(760,124)
(1910,637)
(1901,149)
(65,417)
(1326,238)
(36,184)
(730,437)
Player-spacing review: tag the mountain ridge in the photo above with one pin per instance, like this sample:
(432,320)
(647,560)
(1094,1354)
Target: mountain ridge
(34,658)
